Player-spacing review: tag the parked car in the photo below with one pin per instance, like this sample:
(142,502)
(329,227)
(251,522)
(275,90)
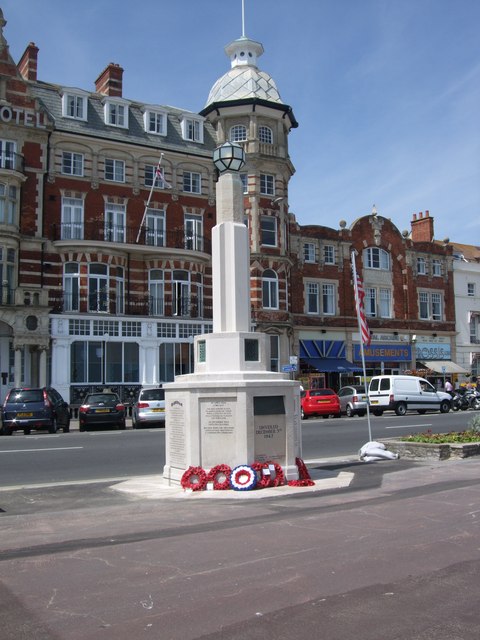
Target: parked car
(25,409)
(101,409)
(353,400)
(401,393)
(320,402)
(149,408)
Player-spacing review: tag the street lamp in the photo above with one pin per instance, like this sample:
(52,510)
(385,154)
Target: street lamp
(229,157)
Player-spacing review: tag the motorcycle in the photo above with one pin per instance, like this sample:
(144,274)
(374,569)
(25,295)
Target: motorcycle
(460,402)
(473,397)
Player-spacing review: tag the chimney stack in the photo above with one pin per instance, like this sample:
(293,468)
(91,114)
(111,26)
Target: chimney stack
(27,66)
(422,227)
(109,82)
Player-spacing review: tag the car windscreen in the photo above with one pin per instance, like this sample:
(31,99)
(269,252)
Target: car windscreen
(26,395)
(152,394)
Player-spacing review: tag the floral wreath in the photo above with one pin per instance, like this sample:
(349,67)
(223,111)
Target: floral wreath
(217,472)
(243,478)
(194,478)
(304,479)
(265,480)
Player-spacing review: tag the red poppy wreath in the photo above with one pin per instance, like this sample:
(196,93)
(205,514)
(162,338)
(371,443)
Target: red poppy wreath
(194,478)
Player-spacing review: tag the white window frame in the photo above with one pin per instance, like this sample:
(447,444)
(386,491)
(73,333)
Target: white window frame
(265,134)
(430,305)
(267,184)
(192,129)
(98,287)
(244,179)
(471,289)
(155,122)
(436,268)
(328,299)
(328,254)
(74,106)
(156,292)
(115,218)
(309,252)
(72,163)
(155,232)
(312,298)
(238,133)
(270,289)
(119,290)
(8,150)
(193,225)
(116,169)
(274,353)
(151,177)
(116,113)
(421,266)
(266,231)
(73,210)
(192,182)
(377,258)
(8,203)
(71,286)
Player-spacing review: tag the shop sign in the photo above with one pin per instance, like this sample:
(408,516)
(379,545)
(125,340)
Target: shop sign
(433,351)
(383,352)
(25,117)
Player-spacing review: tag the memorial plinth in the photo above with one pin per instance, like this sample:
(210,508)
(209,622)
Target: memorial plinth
(232,410)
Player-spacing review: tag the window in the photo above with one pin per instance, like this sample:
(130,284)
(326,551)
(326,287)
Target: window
(192,182)
(71,286)
(7,154)
(192,129)
(274,353)
(436,267)
(265,134)
(312,298)
(238,133)
(155,122)
(267,184)
(74,106)
(116,114)
(156,291)
(114,170)
(309,252)
(72,163)
(378,302)
(268,230)
(114,222)
(8,204)
(72,219)
(7,274)
(152,177)
(375,258)
(329,254)
(155,229)
(199,301)
(385,309)
(174,359)
(193,232)
(98,287)
(269,289)
(470,289)
(475,329)
(421,266)
(104,362)
(328,299)
(181,293)
(430,305)
(119,290)
(244,179)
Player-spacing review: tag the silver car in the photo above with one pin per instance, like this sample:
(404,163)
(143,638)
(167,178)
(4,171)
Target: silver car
(353,400)
(149,408)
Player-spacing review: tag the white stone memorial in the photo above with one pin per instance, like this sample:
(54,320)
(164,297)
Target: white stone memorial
(232,409)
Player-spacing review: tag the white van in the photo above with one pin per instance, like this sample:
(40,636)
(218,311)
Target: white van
(402,393)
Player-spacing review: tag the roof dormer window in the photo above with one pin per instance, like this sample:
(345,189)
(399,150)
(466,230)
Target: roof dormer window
(116,113)
(155,121)
(74,105)
(192,129)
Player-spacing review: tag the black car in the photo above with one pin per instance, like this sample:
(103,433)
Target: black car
(101,409)
(25,409)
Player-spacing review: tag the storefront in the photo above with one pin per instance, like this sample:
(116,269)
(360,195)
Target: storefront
(323,363)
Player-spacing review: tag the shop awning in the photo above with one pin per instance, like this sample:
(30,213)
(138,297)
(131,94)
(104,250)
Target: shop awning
(443,366)
(337,365)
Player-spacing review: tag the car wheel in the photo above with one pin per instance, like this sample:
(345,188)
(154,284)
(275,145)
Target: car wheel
(66,428)
(122,426)
(349,411)
(444,406)
(53,427)
(401,409)
(26,432)
(361,414)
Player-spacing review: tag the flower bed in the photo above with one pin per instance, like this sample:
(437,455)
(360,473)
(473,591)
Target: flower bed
(432,451)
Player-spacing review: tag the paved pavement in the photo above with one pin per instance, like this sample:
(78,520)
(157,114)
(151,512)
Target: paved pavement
(377,550)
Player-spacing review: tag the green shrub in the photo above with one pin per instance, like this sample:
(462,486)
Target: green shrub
(470,435)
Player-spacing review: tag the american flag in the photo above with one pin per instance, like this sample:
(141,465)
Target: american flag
(359,301)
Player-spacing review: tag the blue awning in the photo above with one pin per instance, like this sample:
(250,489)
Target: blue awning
(338,365)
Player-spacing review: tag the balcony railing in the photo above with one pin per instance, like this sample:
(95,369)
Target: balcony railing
(132,305)
(12,161)
(120,234)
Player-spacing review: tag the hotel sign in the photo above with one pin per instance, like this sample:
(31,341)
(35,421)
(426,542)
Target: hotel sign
(24,117)
(384,352)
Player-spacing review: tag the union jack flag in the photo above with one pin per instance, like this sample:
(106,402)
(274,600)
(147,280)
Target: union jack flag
(359,302)
(160,177)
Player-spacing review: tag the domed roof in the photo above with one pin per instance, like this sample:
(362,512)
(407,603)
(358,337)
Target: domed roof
(244,80)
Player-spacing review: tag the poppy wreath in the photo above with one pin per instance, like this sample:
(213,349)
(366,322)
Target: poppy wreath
(194,478)
(243,478)
(217,472)
(265,480)
(304,479)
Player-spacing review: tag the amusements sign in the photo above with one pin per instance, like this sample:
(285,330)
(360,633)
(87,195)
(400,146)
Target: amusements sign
(217,420)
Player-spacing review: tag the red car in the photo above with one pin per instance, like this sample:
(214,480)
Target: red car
(320,402)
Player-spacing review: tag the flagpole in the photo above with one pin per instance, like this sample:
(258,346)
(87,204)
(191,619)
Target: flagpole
(362,352)
(155,176)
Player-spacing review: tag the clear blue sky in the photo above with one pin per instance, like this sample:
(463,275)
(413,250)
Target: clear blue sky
(386,92)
